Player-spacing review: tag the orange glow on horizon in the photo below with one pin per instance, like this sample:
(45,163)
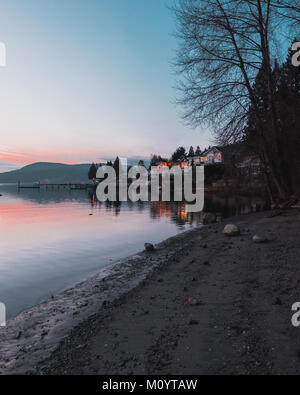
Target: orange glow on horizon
(22,159)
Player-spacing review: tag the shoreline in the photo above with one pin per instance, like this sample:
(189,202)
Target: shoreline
(139,320)
(35,333)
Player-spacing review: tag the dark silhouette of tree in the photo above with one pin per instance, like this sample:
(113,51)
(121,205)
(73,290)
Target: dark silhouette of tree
(157,159)
(154,160)
(116,166)
(287,100)
(225,44)
(289,9)
(288,104)
(198,151)
(191,151)
(179,154)
(92,172)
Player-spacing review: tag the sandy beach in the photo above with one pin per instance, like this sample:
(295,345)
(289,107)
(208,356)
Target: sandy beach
(202,303)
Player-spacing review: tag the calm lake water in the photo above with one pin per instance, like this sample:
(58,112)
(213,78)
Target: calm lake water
(49,241)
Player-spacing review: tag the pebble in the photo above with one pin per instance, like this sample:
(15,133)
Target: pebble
(192,301)
(258,239)
(231,230)
(149,247)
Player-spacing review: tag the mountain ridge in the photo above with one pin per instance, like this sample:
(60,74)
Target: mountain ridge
(47,172)
(52,172)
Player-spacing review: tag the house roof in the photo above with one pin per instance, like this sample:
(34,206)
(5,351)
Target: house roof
(206,152)
(237,149)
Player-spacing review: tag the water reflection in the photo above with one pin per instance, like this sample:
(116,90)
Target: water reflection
(231,205)
(52,239)
(222,204)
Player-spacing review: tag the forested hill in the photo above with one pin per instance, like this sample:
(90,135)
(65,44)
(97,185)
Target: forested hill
(47,172)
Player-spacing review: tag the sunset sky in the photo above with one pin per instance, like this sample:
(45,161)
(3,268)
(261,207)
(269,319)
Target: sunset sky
(87,80)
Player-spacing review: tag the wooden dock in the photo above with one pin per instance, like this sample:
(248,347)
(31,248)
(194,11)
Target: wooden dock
(71,186)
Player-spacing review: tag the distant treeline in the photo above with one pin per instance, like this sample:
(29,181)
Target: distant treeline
(115,164)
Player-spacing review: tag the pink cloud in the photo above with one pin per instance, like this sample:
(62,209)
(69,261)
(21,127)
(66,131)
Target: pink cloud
(24,159)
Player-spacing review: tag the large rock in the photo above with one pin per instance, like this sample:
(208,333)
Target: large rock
(231,230)
(149,247)
(209,218)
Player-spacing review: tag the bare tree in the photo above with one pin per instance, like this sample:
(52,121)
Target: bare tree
(289,9)
(224,44)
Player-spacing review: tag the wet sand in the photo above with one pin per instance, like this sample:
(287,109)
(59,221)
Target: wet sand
(202,303)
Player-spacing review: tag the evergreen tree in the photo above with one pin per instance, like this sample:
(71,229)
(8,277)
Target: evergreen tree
(198,151)
(288,102)
(278,149)
(154,160)
(117,165)
(92,172)
(191,151)
(179,154)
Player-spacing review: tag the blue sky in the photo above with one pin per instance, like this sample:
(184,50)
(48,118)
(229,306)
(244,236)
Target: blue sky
(89,79)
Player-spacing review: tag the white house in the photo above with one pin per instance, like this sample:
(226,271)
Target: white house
(194,160)
(212,155)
